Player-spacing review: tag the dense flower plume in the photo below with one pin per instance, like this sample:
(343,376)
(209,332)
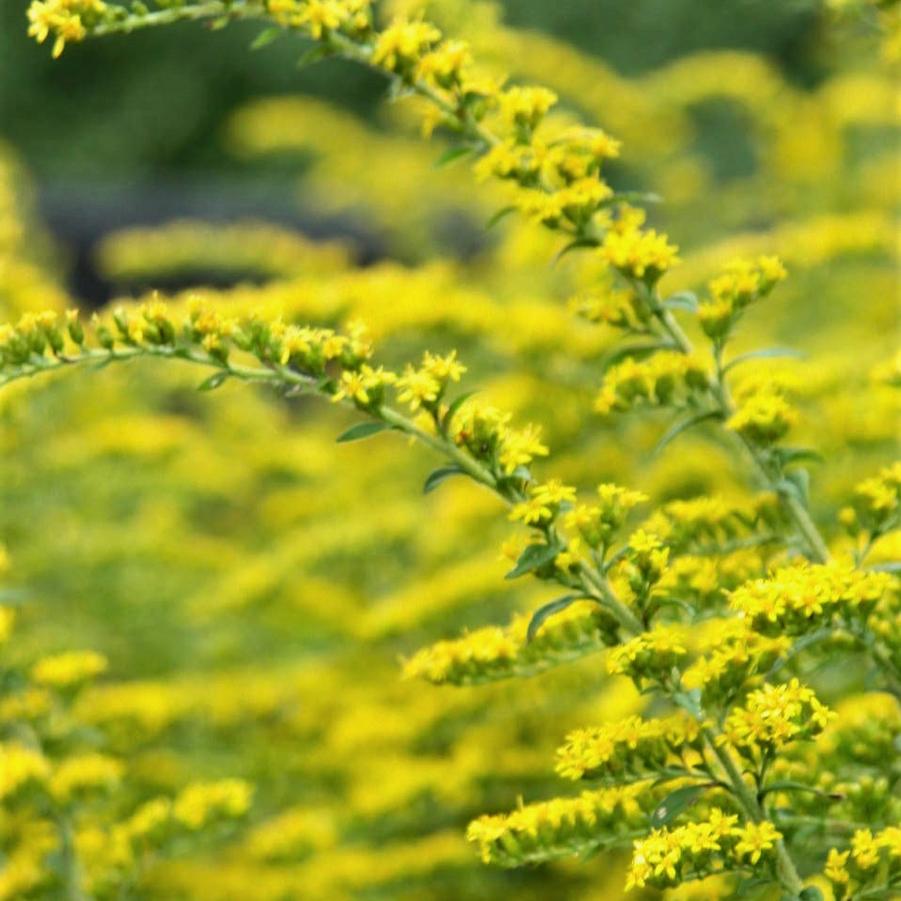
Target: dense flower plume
(742,725)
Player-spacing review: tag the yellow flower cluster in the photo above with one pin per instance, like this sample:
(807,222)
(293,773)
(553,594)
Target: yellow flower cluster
(629,749)
(670,856)
(743,283)
(642,255)
(648,557)
(424,387)
(147,254)
(598,524)
(619,309)
(544,503)
(485,432)
(67,20)
(871,866)
(321,17)
(19,766)
(68,669)
(667,379)
(558,828)
(736,655)
(774,716)
(83,774)
(649,657)
(875,505)
(763,418)
(203,802)
(803,597)
(713,521)
(493,652)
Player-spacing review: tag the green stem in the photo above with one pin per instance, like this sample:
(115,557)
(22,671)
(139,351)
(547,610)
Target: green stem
(788,873)
(71,870)
(595,584)
(212,9)
(796,510)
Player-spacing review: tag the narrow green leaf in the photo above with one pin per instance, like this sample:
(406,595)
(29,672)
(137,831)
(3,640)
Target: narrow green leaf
(362,430)
(451,155)
(439,475)
(639,350)
(893,566)
(313,55)
(682,300)
(549,609)
(266,37)
(454,407)
(689,700)
(788,455)
(533,557)
(502,213)
(574,245)
(214,381)
(683,425)
(673,804)
(763,354)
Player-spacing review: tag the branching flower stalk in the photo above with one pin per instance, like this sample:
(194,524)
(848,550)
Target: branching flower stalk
(574,201)
(37,346)
(734,733)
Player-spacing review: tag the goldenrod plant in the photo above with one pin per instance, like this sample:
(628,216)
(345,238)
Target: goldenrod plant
(725,744)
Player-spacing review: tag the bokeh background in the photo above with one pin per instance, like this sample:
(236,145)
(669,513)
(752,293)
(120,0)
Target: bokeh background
(253,586)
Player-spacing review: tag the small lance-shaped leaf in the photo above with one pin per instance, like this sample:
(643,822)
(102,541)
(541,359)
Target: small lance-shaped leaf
(549,609)
(574,245)
(451,155)
(455,405)
(683,425)
(638,350)
(673,804)
(502,213)
(362,430)
(682,300)
(313,55)
(439,475)
(214,381)
(533,557)
(763,354)
(787,455)
(266,37)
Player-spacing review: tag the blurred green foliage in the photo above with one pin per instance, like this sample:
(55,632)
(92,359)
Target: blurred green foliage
(129,109)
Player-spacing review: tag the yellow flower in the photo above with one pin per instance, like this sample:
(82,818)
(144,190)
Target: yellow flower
(640,254)
(525,106)
(7,620)
(202,802)
(402,43)
(755,838)
(69,668)
(864,849)
(20,765)
(363,386)
(836,869)
(763,418)
(85,772)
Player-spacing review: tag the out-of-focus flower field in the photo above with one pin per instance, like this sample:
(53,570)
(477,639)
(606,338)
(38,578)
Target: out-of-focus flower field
(253,727)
